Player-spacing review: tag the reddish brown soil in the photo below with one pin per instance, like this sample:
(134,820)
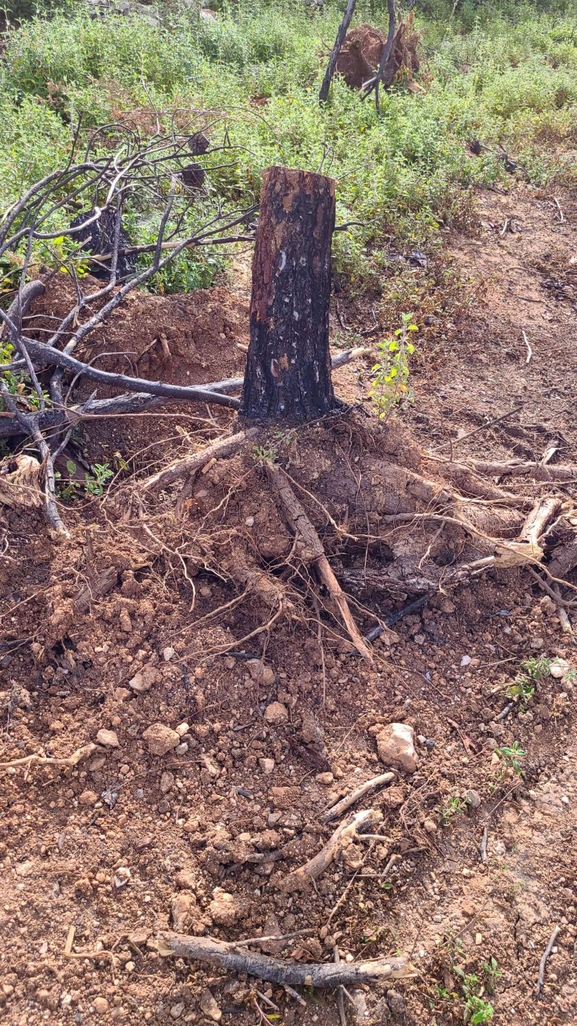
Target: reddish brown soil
(184,823)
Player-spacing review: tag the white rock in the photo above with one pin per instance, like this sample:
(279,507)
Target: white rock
(266,765)
(465,660)
(559,668)
(182,729)
(396,746)
(224,908)
(167,654)
(121,876)
(107,738)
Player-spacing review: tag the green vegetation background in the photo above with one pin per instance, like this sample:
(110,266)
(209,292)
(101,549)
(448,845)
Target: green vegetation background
(502,72)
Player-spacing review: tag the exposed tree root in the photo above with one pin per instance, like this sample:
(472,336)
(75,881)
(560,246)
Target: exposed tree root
(43,760)
(324,975)
(190,465)
(311,550)
(301,879)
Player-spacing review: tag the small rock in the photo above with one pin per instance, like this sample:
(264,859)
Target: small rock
(419,639)
(260,673)
(144,679)
(276,713)
(473,799)
(181,749)
(446,605)
(396,747)
(209,1006)
(224,908)
(160,739)
(465,660)
(121,876)
(167,654)
(182,729)
(249,521)
(185,880)
(100,1005)
(325,778)
(536,643)
(87,798)
(166,782)
(266,765)
(180,909)
(121,694)
(107,738)
(396,1003)
(177,1010)
(430,826)
(559,668)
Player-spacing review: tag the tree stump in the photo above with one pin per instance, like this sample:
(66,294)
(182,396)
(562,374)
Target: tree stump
(288,370)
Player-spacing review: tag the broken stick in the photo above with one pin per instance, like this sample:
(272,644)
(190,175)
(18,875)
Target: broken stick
(44,760)
(345,803)
(193,463)
(275,970)
(311,551)
(302,878)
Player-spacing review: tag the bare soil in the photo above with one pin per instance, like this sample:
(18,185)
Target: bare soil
(128,844)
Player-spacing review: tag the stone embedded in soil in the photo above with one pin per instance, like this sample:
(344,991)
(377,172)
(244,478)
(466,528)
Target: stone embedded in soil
(225,908)
(276,713)
(260,673)
(325,778)
(180,910)
(107,738)
(209,1006)
(559,668)
(144,679)
(430,826)
(166,782)
(177,1010)
(185,880)
(396,746)
(100,1005)
(266,765)
(160,739)
(87,798)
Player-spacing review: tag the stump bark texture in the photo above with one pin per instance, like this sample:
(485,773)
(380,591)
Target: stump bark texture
(288,371)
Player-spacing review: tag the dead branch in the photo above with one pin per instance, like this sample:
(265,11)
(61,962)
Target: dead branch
(539,518)
(343,28)
(345,803)
(324,975)
(43,760)
(301,879)
(311,550)
(536,471)
(374,83)
(543,962)
(190,465)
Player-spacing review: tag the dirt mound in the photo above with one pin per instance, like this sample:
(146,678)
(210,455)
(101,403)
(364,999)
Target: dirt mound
(183,339)
(363,48)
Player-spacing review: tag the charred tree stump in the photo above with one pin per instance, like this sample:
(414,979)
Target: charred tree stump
(288,370)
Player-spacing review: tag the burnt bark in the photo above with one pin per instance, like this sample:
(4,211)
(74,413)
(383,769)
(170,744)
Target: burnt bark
(288,370)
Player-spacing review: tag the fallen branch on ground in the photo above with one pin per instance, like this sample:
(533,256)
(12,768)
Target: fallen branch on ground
(543,962)
(44,760)
(302,878)
(324,975)
(190,465)
(311,550)
(345,803)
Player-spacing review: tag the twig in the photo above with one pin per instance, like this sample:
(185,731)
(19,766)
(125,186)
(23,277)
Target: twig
(43,760)
(275,937)
(543,962)
(340,995)
(345,803)
(190,465)
(559,215)
(529,350)
(561,610)
(321,975)
(374,83)
(505,712)
(483,846)
(301,879)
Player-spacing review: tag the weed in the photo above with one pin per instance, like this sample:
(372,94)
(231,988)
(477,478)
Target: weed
(391,374)
(262,455)
(93,483)
(451,808)
(532,672)
(511,756)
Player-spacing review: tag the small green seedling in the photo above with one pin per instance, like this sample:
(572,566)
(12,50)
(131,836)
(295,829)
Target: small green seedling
(452,807)
(391,372)
(532,672)
(511,756)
